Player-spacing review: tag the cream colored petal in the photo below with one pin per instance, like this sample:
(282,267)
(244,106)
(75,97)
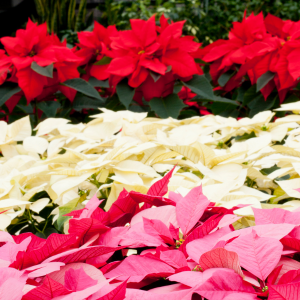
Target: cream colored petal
(35,144)
(40,204)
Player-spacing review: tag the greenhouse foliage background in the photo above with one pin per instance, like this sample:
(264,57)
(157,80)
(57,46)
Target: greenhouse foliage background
(150,150)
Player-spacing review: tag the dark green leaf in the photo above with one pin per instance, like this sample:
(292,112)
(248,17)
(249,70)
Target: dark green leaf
(224,78)
(250,95)
(83,102)
(155,76)
(263,80)
(125,93)
(259,104)
(105,60)
(167,107)
(98,83)
(224,100)
(285,177)
(49,108)
(139,108)
(44,71)
(220,108)
(245,136)
(83,87)
(6,92)
(268,171)
(201,86)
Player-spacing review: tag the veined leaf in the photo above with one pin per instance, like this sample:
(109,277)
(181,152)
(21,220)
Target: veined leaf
(44,71)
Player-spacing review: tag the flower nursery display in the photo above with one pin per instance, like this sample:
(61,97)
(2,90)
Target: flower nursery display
(140,164)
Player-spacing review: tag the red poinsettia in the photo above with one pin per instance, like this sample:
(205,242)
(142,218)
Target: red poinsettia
(95,50)
(34,45)
(257,46)
(152,58)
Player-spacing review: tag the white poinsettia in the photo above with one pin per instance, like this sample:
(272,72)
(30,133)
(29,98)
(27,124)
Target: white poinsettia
(240,163)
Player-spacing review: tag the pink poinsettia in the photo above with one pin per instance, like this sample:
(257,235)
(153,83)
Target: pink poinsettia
(171,247)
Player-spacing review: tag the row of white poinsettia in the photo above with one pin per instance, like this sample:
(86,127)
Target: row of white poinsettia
(252,162)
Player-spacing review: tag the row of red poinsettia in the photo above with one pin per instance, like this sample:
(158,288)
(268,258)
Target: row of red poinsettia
(151,58)
(169,248)
(267,50)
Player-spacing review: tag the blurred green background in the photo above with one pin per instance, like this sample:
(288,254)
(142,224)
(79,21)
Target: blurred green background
(208,20)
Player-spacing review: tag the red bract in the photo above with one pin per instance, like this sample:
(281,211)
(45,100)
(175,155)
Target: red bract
(153,57)
(34,45)
(95,50)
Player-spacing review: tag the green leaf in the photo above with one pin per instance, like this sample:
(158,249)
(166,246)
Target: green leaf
(268,171)
(245,136)
(218,108)
(44,71)
(105,60)
(125,93)
(7,91)
(224,100)
(83,102)
(49,108)
(259,104)
(155,76)
(263,80)
(98,83)
(167,107)
(139,108)
(83,87)
(224,78)
(201,86)
(65,209)
(250,95)
(285,177)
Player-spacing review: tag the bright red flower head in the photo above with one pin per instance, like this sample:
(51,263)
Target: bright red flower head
(34,45)
(94,47)
(135,53)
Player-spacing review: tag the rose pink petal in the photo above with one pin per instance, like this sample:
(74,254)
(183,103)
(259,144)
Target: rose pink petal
(166,214)
(190,209)
(226,283)
(77,280)
(90,270)
(174,258)
(275,216)
(284,291)
(258,255)
(197,247)
(220,258)
(138,267)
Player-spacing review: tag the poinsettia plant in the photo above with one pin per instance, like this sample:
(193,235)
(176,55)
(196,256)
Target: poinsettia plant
(257,65)
(155,246)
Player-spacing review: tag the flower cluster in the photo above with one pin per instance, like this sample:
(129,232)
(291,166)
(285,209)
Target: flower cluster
(153,246)
(25,60)
(150,58)
(260,48)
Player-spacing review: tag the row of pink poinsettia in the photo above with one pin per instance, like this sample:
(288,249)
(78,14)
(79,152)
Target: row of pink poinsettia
(256,47)
(151,58)
(168,248)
